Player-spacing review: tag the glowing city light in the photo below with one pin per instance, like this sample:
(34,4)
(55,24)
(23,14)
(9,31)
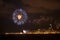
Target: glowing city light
(24,31)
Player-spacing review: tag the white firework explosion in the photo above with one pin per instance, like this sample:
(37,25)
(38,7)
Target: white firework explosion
(19,16)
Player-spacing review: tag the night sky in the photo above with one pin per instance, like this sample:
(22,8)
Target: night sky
(34,8)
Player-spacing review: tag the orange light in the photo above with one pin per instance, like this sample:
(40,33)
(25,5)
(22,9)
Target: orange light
(19,17)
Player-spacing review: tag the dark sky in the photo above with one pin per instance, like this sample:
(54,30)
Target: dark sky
(31,6)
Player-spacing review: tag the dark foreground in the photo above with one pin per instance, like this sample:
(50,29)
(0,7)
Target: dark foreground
(31,37)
